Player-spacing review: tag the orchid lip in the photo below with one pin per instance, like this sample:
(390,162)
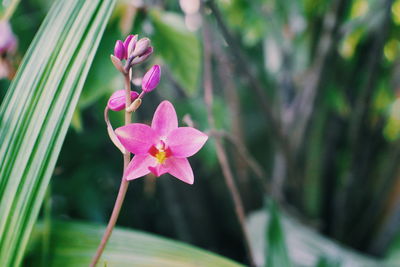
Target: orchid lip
(160,152)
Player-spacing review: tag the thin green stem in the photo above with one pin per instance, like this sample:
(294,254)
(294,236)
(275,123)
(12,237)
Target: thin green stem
(10,10)
(124,183)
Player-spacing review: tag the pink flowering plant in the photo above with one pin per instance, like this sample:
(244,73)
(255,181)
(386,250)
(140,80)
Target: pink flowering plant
(159,148)
(8,48)
(162,147)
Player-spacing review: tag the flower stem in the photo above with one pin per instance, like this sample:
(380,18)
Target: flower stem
(124,183)
(10,10)
(114,216)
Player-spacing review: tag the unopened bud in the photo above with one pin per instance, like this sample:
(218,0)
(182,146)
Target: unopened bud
(135,105)
(119,50)
(141,47)
(8,42)
(128,40)
(117,63)
(131,44)
(144,57)
(117,100)
(151,79)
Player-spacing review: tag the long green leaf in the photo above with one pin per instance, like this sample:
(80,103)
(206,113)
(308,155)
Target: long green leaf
(36,113)
(74,244)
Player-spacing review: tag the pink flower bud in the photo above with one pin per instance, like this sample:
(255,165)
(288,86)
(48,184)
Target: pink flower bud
(143,57)
(151,79)
(130,43)
(127,40)
(119,50)
(141,47)
(8,42)
(117,100)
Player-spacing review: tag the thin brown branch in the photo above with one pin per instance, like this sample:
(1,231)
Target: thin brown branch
(299,114)
(221,155)
(225,71)
(248,159)
(241,63)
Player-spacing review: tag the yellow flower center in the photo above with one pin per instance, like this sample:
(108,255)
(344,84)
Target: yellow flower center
(160,152)
(161,156)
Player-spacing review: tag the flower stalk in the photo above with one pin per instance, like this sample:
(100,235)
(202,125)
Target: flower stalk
(132,51)
(124,183)
(160,148)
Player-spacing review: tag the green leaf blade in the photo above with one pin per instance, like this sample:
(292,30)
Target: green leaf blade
(74,244)
(37,111)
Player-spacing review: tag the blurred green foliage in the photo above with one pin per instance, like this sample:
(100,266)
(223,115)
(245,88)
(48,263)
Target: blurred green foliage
(330,72)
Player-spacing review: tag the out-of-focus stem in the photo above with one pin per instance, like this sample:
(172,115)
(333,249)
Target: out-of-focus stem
(280,140)
(10,10)
(124,183)
(221,155)
(247,157)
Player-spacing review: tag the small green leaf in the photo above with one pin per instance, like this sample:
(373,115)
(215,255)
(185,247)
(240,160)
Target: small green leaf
(178,47)
(325,262)
(276,251)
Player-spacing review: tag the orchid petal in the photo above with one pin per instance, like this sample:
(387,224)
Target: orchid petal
(164,119)
(139,166)
(158,170)
(181,169)
(137,138)
(185,141)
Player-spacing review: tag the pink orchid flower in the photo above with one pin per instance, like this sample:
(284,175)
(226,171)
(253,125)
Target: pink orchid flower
(162,148)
